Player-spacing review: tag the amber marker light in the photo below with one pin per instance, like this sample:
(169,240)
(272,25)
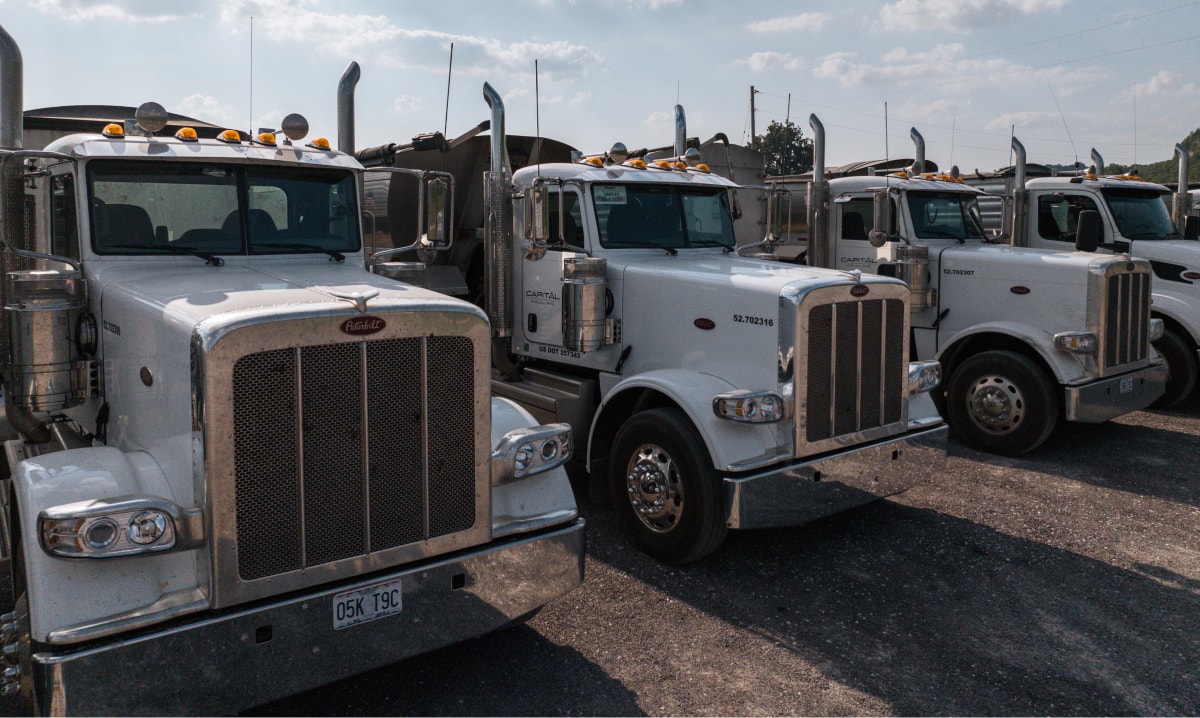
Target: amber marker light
(229,136)
(266,138)
(319,143)
(113,130)
(187,134)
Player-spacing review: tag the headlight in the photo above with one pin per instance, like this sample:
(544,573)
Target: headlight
(1157,327)
(118,527)
(923,376)
(525,452)
(1076,342)
(753,407)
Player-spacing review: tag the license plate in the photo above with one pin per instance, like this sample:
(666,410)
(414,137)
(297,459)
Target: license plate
(367,604)
(1126,385)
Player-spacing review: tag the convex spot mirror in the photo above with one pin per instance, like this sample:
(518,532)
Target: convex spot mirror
(439,203)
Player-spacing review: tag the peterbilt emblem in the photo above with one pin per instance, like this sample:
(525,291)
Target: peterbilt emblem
(860,290)
(359,326)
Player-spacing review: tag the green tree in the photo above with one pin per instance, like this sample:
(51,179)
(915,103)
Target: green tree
(785,149)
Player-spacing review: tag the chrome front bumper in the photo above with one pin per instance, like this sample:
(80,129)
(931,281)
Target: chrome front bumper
(1109,398)
(804,492)
(245,658)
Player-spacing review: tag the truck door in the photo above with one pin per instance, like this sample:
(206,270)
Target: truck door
(1056,219)
(541,290)
(854,219)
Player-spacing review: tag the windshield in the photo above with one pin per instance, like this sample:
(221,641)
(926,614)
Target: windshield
(188,207)
(945,215)
(646,215)
(1140,214)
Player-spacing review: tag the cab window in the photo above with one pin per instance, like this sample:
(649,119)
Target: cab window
(572,227)
(64,224)
(1058,216)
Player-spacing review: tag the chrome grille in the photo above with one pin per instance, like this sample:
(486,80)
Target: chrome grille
(329,466)
(855,367)
(1126,319)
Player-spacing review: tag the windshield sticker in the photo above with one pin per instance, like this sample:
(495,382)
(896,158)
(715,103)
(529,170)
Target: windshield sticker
(609,194)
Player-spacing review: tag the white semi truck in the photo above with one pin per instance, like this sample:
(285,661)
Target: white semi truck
(708,391)
(1134,219)
(1024,336)
(245,467)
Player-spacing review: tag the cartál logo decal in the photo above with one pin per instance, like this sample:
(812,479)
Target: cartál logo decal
(359,326)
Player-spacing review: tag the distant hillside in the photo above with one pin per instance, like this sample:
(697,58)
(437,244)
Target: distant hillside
(1167,171)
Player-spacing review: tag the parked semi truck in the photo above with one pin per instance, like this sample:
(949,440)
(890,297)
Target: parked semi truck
(708,391)
(1024,336)
(1137,218)
(245,467)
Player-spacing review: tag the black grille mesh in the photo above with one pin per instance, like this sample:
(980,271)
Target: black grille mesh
(855,367)
(343,474)
(1126,319)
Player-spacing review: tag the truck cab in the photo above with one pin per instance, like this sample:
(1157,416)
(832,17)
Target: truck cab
(1025,336)
(232,444)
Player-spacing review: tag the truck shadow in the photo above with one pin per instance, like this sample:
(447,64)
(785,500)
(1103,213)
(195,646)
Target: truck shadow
(510,672)
(939,615)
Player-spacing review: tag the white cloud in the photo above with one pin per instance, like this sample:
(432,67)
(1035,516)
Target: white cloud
(408,103)
(803,21)
(1164,84)
(959,15)
(580,98)
(206,109)
(84,11)
(761,61)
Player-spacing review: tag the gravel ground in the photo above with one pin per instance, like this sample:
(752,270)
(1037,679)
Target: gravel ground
(1062,583)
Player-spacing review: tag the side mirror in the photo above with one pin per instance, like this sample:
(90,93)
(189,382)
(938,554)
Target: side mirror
(883,219)
(1191,227)
(774,213)
(537,213)
(439,203)
(1087,231)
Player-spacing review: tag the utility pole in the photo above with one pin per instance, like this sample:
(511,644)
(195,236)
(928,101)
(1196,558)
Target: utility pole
(753,136)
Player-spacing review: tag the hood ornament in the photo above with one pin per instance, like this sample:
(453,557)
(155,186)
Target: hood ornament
(358,299)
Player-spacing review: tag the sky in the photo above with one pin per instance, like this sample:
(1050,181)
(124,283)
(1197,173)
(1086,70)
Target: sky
(1065,76)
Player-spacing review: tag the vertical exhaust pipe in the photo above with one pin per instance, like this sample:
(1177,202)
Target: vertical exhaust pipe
(12,100)
(1182,206)
(345,108)
(498,236)
(918,166)
(819,242)
(680,131)
(1098,161)
(1019,231)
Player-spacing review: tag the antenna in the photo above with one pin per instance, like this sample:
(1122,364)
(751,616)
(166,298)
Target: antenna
(1064,121)
(250,124)
(787,119)
(953,124)
(449,72)
(1135,124)
(537,116)
(887,153)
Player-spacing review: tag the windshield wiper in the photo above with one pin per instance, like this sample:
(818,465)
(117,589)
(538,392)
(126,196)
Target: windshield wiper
(335,255)
(629,245)
(208,258)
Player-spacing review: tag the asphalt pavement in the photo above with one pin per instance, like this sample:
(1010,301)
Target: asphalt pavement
(1065,582)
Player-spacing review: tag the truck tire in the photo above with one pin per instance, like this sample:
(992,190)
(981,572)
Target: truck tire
(1001,402)
(664,489)
(1182,369)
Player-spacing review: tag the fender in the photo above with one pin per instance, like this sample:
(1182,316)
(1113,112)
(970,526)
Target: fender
(532,502)
(728,443)
(113,586)
(1179,307)
(1067,368)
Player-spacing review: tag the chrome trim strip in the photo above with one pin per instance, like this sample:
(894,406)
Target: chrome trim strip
(300,452)
(425,431)
(811,490)
(293,640)
(366,447)
(168,606)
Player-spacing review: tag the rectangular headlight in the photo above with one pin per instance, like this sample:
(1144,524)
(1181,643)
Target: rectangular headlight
(752,407)
(122,526)
(1076,342)
(1157,327)
(525,452)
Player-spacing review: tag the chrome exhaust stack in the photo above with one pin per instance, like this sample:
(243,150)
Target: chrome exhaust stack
(918,165)
(498,235)
(680,131)
(1019,229)
(820,252)
(1097,162)
(1181,207)
(345,108)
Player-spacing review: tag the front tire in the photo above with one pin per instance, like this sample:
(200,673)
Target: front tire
(1001,402)
(664,489)
(1182,369)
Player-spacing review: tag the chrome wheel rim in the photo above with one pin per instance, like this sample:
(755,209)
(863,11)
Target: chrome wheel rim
(654,489)
(995,404)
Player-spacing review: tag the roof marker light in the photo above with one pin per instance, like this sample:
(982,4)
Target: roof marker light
(229,136)
(113,130)
(594,161)
(187,134)
(320,143)
(266,138)
(638,163)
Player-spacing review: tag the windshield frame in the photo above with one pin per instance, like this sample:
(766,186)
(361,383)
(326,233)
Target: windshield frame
(969,220)
(236,186)
(681,236)
(1125,224)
